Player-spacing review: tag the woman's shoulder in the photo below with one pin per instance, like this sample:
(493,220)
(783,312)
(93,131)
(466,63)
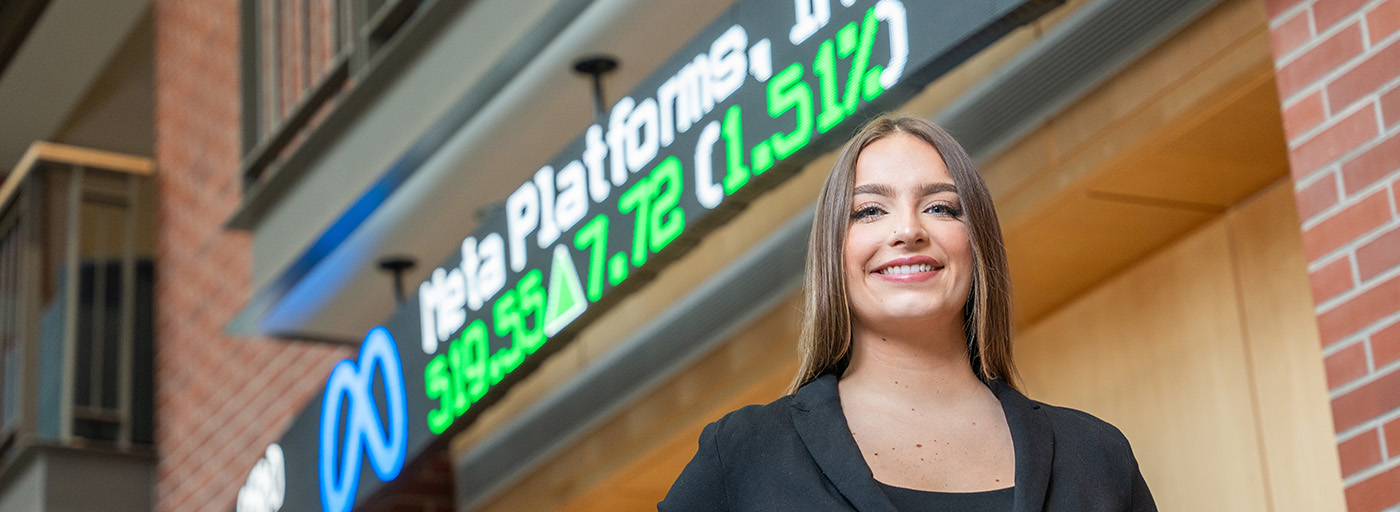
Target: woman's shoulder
(754,420)
(1067,423)
(1087,436)
(815,402)
(1096,457)
(1082,424)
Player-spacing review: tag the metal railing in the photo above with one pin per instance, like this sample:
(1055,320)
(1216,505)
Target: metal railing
(77,244)
(299,59)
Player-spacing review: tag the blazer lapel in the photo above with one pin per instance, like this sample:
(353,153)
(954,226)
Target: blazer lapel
(1034,442)
(817,417)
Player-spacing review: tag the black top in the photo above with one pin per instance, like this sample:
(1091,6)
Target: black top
(797,453)
(912,500)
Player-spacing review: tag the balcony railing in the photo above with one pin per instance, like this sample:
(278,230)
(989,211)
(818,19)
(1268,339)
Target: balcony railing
(300,58)
(77,244)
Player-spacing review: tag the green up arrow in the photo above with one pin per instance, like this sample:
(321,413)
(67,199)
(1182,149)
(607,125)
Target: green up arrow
(566,301)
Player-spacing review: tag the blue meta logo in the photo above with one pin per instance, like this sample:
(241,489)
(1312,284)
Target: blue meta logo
(385,443)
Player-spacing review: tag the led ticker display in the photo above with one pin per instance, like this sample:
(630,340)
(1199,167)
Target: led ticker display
(620,196)
(760,92)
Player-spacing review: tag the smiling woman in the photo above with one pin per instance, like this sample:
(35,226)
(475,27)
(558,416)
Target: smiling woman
(943,172)
(908,259)
(906,396)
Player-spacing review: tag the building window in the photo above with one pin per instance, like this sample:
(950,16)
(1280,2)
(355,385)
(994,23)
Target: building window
(299,60)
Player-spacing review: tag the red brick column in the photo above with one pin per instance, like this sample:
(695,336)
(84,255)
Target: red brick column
(1338,64)
(219,400)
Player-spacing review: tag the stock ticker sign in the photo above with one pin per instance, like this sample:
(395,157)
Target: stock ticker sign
(763,90)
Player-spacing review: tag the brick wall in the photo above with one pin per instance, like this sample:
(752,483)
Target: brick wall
(219,400)
(1338,66)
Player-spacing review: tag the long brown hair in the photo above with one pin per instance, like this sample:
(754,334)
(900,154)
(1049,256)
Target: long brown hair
(825,345)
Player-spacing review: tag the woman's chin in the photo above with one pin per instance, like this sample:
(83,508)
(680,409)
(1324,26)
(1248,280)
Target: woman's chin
(918,320)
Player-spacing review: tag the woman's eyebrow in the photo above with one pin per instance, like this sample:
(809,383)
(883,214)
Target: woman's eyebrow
(878,189)
(934,188)
(881,189)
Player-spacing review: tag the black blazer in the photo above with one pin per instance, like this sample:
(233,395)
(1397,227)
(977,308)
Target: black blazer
(798,454)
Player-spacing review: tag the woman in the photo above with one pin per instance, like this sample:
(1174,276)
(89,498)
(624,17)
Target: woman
(906,398)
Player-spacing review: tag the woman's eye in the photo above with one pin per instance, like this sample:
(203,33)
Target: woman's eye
(866,212)
(944,209)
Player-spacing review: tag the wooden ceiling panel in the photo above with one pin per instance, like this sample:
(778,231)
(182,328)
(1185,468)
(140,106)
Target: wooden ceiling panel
(1222,158)
(1083,241)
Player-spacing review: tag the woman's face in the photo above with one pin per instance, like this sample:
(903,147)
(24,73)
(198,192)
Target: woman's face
(908,257)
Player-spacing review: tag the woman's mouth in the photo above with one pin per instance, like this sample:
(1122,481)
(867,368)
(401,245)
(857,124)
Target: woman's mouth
(913,267)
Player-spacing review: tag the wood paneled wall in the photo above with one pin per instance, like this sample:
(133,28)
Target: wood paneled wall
(1206,356)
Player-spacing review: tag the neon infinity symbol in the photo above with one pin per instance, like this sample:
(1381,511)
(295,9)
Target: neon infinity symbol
(385,443)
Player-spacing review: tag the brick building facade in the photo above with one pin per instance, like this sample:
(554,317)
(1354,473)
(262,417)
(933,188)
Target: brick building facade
(217,395)
(1338,65)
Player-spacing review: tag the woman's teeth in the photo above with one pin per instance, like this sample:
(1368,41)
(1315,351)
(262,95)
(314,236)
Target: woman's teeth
(906,269)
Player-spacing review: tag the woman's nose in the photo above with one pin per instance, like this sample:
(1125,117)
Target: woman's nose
(908,230)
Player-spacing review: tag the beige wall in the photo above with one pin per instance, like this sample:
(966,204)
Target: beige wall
(1206,356)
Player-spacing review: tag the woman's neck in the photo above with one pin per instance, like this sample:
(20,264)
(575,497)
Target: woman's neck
(928,367)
